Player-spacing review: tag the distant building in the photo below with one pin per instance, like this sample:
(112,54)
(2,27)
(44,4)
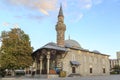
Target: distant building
(114,62)
(118,57)
(69,56)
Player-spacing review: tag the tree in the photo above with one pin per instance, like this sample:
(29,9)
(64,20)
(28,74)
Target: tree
(116,69)
(15,50)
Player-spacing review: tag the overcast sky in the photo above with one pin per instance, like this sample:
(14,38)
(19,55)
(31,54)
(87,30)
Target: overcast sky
(95,24)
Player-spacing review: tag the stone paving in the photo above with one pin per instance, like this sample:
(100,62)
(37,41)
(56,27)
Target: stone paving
(111,77)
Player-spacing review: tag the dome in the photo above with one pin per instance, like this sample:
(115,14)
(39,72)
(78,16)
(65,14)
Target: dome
(51,43)
(72,44)
(95,51)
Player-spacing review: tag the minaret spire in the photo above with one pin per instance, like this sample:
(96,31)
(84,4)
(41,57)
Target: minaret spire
(60,11)
(60,28)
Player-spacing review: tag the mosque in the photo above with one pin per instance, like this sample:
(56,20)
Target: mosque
(69,56)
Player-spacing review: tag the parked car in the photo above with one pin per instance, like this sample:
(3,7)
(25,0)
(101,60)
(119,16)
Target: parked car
(19,72)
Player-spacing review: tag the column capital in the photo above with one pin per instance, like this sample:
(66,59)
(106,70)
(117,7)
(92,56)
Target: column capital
(41,57)
(48,55)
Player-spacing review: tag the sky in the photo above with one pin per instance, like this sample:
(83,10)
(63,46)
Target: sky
(95,24)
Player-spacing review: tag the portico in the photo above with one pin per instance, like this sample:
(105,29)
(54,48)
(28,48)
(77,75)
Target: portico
(49,59)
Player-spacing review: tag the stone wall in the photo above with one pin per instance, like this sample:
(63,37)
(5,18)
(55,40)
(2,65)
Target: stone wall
(98,62)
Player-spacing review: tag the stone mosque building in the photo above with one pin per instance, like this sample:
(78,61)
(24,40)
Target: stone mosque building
(68,56)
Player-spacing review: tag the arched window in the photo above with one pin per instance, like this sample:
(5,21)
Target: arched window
(73,57)
(73,70)
(104,70)
(91,70)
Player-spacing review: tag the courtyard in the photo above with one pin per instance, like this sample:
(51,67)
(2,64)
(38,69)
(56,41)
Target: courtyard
(110,77)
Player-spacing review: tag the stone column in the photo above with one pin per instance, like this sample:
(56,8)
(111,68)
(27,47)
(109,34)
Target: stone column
(48,61)
(34,67)
(41,64)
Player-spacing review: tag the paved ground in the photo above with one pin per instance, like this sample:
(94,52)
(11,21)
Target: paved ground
(111,77)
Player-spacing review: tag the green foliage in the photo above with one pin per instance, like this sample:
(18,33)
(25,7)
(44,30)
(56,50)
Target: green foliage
(116,69)
(2,72)
(113,72)
(15,50)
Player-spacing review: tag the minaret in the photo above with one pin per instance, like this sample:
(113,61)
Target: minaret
(60,28)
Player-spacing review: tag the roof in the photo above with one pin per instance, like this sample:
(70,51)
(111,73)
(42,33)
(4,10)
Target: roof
(75,45)
(72,44)
(75,63)
(95,51)
(52,45)
(68,44)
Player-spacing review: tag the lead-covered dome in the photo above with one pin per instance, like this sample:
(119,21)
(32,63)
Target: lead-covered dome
(95,51)
(72,44)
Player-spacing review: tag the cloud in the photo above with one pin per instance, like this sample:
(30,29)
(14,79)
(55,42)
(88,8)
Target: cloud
(78,7)
(82,4)
(85,4)
(44,6)
(78,18)
(16,25)
(5,24)
(19,17)
(30,16)
(44,11)
(37,17)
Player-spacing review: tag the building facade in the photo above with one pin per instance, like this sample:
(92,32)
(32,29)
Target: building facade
(115,62)
(69,56)
(118,57)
